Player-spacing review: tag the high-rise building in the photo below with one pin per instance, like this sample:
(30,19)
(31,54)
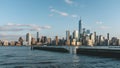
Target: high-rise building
(108,41)
(95,40)
(92,38)
(84,32)
(107,36)
(56,40)
(21,40)
(87,32)
(80,29)
(33,41)
(75,34)
(49,41)
(38,39)
(28,38)
(67,35)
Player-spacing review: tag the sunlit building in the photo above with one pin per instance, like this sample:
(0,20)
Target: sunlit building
(28,38)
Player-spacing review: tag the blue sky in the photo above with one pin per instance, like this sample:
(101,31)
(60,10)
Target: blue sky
(54,17)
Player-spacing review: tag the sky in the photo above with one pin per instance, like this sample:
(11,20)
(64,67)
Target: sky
(54,17)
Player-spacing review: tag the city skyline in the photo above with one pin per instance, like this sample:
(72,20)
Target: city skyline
(53,18)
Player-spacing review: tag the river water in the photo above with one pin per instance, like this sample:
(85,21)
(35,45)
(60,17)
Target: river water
(23,57)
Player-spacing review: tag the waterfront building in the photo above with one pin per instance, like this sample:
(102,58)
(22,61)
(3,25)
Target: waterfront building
(25,43)
(44,40)
(56,40)
(17,43)
(28,38)
(90,42)
(108,41)
(95,39)
(92,38)
(33,41)
(80,30)
(101,40)
(67,37)
(75,35)
(119,42)
(114,41)
(5,43)
(108,36)
(20,40)
(88,32)
(1,43)
(49,41)
(78,43)
(38,39)
(83,37)
(12,43)
(84,32)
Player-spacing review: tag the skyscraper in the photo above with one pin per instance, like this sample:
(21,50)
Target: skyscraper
(80,29)
(95,40)
(56,40)
(75,34)
(67,35)
(28,38)
(87,32)
(108,42)
(107,36)
(38,37)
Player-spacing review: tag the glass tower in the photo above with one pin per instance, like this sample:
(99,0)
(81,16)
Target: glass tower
(80,29)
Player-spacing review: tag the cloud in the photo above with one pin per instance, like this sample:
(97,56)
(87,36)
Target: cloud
(22,27)
(99,22)
(69,1)
(104,27)
(74,16)
(65,14)
(59,12)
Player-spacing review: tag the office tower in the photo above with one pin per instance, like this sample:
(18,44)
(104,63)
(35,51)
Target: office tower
(33,42)
(92,38)
(5,43)
(107,36)
(80,29)
(101,40)
(95,38)
(12,43)
(49,41)
(108,42)
(84,33)
(28,38)
(1,42)
(67,37)
(38,39)
(56,40)
(44,39)
(75,34)
(20,40)
(87,32)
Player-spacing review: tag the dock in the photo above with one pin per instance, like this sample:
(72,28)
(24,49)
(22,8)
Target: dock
(108,51)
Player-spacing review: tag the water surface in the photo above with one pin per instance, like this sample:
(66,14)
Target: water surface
(23,57)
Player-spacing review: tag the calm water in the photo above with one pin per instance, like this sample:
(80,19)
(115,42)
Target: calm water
(23,57)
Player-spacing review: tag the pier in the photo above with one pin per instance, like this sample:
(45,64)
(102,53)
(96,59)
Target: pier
(108,51)
(68,49)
